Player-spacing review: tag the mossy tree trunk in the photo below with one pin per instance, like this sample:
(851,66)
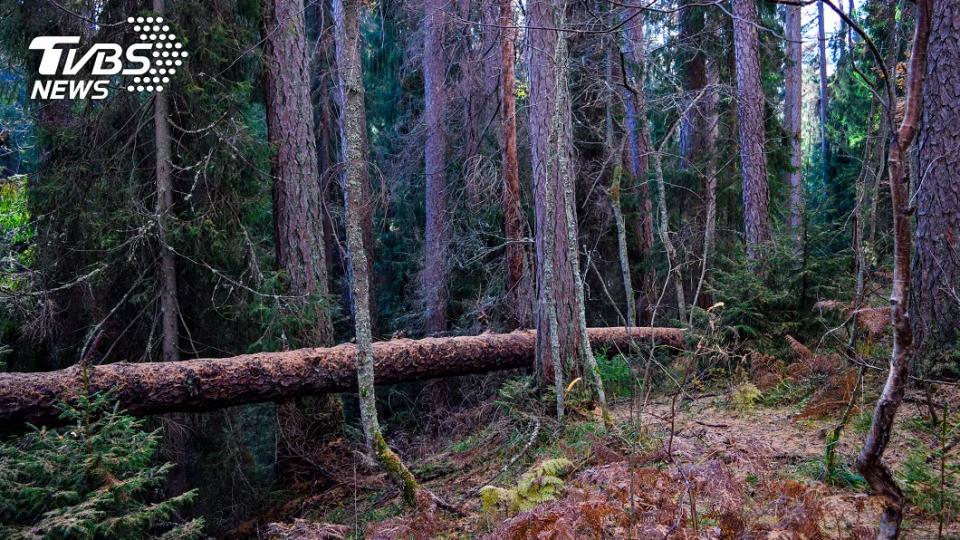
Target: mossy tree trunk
(346,15)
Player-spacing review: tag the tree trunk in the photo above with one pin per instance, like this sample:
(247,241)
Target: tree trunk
(551,147)
(750,101)
(622,253)
(824,98)
(346,14)
(297,200)
(298,220)
(567,181)
(869,463)
(614,156)
(436,258)
(175,436)
(635,119)
(935,307)
(859,215)
(693,69)
(205,384)
(792,114)
(674,273)
(512,213)
(711,117)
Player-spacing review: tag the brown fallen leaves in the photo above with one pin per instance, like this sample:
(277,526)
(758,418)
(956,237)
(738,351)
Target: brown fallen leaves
(699,500)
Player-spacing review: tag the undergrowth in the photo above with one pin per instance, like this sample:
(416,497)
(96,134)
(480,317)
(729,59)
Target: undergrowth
(96,478)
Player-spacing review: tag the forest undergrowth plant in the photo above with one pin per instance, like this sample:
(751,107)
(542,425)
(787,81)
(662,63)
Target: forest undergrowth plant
(95,478)
(931,474)
(539,484)
(744,397)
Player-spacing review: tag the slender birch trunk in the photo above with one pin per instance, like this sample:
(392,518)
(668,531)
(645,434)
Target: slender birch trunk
(346,15)
(635,120)
(711,117)
(869,462)
(622,252)
(672,260)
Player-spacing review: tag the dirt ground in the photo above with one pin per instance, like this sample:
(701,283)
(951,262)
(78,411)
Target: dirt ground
(733,474)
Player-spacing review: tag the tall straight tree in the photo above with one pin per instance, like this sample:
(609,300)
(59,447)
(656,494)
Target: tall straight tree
(935,308)
(693,69)
(792,109)
(297,206)
(551,142)
(824,97)
(635,118)
(615,156)
(753,161)
(513,216)
(435,268)
(174,433)
(353,127)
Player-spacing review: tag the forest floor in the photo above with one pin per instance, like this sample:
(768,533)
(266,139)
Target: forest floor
(723,462)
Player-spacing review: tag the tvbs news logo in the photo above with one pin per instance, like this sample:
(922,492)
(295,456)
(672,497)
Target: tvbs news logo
(144,66)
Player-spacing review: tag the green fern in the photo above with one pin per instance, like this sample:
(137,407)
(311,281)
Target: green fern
(540,484)
(745,397)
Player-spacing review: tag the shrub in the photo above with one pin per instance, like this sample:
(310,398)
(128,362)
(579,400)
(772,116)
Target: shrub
(95,478)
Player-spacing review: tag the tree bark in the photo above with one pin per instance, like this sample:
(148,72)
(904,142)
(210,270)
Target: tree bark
(175,436)
(346,14)
(204,384)
(750,101)
(512,213)
(298,219)
(635,119)
(792,114)
(693,68)
(630,319)
(552,156)
(935,306)
(673,266)
(297,200)
(711,115)
(824,98)
(436,259)
(869,463)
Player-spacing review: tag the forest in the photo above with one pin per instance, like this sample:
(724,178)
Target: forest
(504,269)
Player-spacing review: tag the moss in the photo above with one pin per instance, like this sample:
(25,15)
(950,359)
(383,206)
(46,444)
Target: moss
(396,469)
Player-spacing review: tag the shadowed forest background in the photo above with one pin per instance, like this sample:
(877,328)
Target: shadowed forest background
(603,269)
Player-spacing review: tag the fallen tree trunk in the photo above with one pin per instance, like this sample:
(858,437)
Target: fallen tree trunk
(205,384)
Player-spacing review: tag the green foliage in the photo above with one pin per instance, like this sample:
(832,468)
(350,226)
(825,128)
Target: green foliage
(93,479)
(617,375)
(540,484)
(14,215)
(744,397)
(517,394)
(931,475)
(766,300)
(787,392)
(920,473)
(838,474)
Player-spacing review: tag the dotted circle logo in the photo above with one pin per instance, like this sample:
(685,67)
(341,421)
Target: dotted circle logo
(167,53)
